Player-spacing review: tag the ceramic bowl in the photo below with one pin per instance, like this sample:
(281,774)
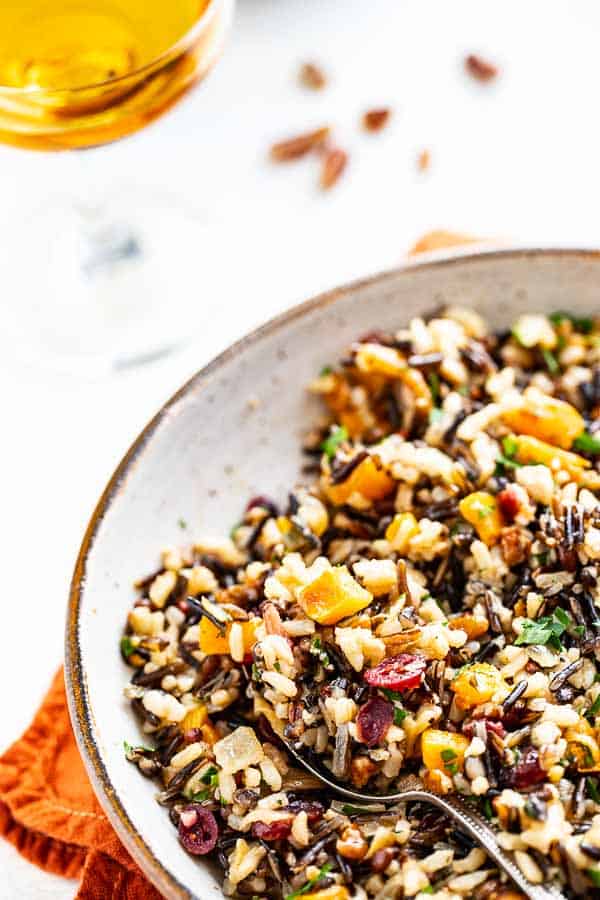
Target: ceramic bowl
(233,431)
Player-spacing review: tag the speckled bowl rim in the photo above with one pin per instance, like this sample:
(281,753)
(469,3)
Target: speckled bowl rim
(77,691)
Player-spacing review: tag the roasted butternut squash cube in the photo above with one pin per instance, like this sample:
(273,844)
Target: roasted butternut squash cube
(443,750)
(213,641)
(195,718)
(332,596)
(531,450)
(476,684)
(366,479)
(545,418)
(400,530)
(474,626)
(481,510)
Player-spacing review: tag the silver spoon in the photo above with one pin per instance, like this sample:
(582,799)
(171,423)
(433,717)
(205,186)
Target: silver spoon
(411,788)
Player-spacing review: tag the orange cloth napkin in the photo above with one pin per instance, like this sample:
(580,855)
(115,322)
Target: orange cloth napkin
(48,809)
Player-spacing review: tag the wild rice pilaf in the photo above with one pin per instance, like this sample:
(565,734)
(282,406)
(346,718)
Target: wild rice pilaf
(429,604)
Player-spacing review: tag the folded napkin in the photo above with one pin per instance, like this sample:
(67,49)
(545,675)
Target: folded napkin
(48,809)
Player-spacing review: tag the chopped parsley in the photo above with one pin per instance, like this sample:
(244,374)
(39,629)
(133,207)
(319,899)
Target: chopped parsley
(129,748)
(547,630)
(316,648)
(434,387)
(399,715)
(510,447)
(587,443)
(182,524)
(583,324)
(487,808)
(592,789)
(201,795)
(427,890)
(448,754)
(311,882)
(211,776)
(337,436)
(594,876)
(579,630)
(451,768)
(256,676)
(127,647)
(326,370)
(551,361)
(391,695)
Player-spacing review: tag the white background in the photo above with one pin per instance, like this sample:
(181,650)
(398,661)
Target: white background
(517,159)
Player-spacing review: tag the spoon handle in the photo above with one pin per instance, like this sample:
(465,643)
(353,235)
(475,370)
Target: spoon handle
(478,828)
(464,815)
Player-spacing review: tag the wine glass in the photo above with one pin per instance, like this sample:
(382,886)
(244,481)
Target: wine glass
(108,283)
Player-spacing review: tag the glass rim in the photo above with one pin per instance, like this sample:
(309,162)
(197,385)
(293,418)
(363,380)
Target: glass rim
(182,43)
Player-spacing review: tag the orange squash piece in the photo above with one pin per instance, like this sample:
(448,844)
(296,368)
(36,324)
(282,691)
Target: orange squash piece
(475,626)
(476,684)
(531,450)
(332,596)
(443,750)
(366,479)
(481,509)
(213,641)
(545,418)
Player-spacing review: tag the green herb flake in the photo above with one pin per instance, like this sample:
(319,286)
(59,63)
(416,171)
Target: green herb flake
(592,789)
(434,387)
(448,754)
(547,630)
(587,443)
(209,775)
(451,768)
(510,446)
(392,695)
(127,647)
(256,676)
(326,370)
(579,630)
(233,530)
(594,876)
(182,524)
(399,715)
(427,890)
(551,361)
(311,882)
(200,796)
(337,436)
(580,323)
(487,809)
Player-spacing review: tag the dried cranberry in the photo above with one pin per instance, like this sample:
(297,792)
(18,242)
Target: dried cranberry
(313,809)
(373,720)
(397,673)
(276,831)
(198,830)
(527,771)
(508,501)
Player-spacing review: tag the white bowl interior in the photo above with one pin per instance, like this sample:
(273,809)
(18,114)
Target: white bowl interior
(234,432)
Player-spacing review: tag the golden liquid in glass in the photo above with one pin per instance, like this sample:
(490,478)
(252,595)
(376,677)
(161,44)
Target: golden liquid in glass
(76,73)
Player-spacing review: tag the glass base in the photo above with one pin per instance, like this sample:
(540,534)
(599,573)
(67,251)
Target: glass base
(100,288)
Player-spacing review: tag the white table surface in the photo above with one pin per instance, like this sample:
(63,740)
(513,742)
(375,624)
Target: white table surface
(518,158)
